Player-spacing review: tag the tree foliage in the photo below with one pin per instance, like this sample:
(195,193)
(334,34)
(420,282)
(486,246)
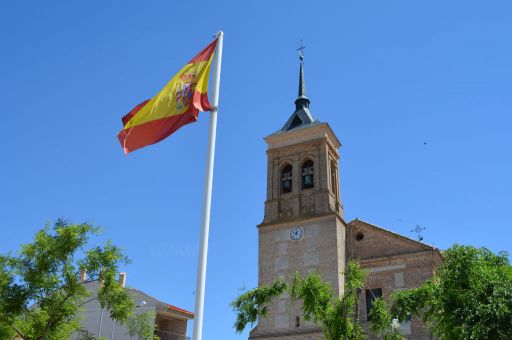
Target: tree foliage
(141,326)
(41,293)
(382,322)
(470,296)
(254,303)
(334,314)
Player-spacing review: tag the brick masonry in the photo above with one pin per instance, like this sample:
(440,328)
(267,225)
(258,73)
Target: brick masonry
(393,262)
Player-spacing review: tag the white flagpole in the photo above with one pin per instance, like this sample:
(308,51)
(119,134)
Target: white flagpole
(205,226)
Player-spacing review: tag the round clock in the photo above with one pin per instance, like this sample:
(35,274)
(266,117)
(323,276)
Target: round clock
(296,233)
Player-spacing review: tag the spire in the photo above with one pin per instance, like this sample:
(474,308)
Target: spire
(302,100)
(302,81)
(302,115)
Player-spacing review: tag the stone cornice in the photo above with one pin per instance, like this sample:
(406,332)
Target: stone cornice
(312,132)
(302,219)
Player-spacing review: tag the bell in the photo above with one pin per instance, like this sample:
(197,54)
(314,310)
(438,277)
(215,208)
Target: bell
(308,181)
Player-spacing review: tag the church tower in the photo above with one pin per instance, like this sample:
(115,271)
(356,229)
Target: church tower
(303,229)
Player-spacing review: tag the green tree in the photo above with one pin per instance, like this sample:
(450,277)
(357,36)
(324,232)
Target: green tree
(141,326)
(41,293)
(253,304)
(382,323)
(470,296)
(335,315)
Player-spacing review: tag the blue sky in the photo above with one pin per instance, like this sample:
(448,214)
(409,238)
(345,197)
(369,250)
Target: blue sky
(388,76)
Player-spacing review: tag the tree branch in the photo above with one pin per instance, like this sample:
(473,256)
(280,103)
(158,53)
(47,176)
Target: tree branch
(19,332)
(56,317)
(87,301)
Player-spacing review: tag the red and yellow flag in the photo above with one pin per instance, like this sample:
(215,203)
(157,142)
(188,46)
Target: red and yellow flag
(177,104)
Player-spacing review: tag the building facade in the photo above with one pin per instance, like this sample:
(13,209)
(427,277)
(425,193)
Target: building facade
(170,322)
(304,230)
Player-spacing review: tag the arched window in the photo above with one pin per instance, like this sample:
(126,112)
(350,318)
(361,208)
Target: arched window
(335,186)
(308,173)
(286,179)
(334,178)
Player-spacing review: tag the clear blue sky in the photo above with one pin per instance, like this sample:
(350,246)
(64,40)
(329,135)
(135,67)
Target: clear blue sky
(388,76)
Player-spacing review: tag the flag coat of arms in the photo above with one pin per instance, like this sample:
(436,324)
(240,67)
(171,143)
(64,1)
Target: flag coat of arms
(177,104)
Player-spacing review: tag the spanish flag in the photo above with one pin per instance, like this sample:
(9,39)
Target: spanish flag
(177,104)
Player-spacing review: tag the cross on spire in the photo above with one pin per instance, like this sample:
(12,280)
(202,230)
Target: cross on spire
(302,116)
(301,51)
(302,98)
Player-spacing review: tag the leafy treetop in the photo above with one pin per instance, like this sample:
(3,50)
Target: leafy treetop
(470,296)
(41,293)
(333,313)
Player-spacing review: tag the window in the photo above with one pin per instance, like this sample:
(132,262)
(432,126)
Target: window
(358,294)
(308,172)
(371,295)
(286,179)
(297,321)
(334,178)
(335,185)
(359,236)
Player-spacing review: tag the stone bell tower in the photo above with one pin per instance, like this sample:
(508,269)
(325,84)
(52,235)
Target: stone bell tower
(303,229)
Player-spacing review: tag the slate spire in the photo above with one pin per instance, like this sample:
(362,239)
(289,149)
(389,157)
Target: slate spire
(302,116)
(302,99)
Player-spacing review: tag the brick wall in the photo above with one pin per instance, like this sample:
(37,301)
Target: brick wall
(393,262)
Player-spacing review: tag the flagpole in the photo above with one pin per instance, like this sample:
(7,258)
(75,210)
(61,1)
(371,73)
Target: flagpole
(205,225)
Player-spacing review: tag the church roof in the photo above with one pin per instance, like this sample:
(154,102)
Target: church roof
(302,116)
(396,235)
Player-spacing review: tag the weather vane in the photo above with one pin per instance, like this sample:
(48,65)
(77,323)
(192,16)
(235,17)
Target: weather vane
(301,51)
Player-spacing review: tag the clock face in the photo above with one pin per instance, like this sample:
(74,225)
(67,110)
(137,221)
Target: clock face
(296,233)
